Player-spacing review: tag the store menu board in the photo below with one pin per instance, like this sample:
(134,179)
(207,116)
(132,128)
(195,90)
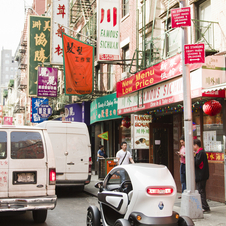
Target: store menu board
(210,142)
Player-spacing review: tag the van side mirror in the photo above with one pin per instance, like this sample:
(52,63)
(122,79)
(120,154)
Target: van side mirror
(99,185)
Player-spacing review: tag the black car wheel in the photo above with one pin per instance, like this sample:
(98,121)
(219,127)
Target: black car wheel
(93,216)
(39,216)
(185,221)
(122,222)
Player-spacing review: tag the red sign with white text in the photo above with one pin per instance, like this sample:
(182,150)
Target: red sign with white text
(194,53)
(181,17)
(163,71)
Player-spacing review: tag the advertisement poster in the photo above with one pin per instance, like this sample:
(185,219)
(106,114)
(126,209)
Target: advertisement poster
(210,142)
(140,127)
(47,82)
(59,24)
(108,30)
(78,66)
(38,48)
(19,119)
(36,103)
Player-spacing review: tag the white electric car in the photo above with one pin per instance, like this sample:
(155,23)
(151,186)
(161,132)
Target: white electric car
(137,195)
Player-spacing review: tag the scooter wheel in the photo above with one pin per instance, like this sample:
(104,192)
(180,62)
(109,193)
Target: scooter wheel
(122,222)
(93,216)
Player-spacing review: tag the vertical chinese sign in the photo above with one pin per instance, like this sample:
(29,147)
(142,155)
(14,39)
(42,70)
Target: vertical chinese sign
(140,131)
(35,104)
(108,30)
(47,82)
(73,112)
(60,20)
(19,119)
(1,113)
(78,66)
(38,49)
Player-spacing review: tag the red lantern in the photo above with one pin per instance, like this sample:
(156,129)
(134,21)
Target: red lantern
(126,122)
(212,107)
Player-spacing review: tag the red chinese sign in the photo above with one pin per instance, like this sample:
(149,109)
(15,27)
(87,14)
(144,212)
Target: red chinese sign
(194,53)
(215,156)
(8,120)
(78,66)
(181,17)
(163,71)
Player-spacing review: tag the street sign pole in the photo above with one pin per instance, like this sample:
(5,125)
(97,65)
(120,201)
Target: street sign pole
(191,202)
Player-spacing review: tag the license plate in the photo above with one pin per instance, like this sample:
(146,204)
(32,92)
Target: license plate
(24,177)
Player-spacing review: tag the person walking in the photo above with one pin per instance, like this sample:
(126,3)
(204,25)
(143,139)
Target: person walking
(181,154)
(100,152)
(201,173)
(123,156)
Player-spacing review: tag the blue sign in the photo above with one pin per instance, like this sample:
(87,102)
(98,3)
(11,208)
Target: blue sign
(36,102)
(73,112)
(44,111)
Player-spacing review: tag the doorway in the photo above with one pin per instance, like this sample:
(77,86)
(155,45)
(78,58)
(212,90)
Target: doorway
(161,144)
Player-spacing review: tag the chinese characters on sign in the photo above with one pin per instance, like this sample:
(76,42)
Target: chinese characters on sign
(215,156)
(8,120)
(194,53)
(140,127)
(78,66)
(44,111)
(108,31)
(60,22)
(19,119)
(47,82)
(39,48)
(73,112)
(36,103)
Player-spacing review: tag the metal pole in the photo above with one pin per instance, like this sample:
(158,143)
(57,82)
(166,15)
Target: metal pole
(191,202)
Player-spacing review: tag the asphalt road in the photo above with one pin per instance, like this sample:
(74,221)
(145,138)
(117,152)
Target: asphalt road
(70,210)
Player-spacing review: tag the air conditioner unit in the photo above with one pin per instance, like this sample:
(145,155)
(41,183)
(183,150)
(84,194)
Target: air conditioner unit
(125,75)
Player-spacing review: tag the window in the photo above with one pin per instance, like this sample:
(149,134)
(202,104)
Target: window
(125,56)
(11,69)
(11,76)
(6,55)
(7,69)
(6,61)
(26,145)
(3,145)
(125,7)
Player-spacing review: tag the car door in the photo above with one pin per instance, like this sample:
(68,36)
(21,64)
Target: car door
(27,163)
(3,165)
(112,195)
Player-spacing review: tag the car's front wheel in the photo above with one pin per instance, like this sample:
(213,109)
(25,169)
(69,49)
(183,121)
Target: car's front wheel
(39,216)
(122,222)
(93,216)
(185,221)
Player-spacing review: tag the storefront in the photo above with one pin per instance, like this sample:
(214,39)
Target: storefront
(164,101)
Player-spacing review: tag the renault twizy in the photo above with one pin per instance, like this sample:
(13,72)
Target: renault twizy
(136,195)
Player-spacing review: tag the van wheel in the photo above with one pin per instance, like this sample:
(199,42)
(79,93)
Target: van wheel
(185,221)
(93,216)
(122,222)
(39,216)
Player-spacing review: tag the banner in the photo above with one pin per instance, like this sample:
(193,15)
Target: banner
(38,49)
(47,82)
(78,66)
(59,22)
(36,103)
(108,30)
(73,112)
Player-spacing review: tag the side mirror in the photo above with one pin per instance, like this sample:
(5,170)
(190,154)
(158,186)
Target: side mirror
(99,185)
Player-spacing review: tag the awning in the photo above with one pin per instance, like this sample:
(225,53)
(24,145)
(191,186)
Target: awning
(215,88)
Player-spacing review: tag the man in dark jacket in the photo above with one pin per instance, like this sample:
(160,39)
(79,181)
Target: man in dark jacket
(201,173)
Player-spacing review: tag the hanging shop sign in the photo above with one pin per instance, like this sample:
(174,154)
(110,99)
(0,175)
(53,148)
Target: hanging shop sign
(38,48)
(59,24)
(163,71)
(8,120)
(73,112)
(19,119)
(140,131)
(108,30)
(47,82)
(44,111)
(35,104)
(104,108)
(214,156)
(164,94)
(103,135)
(181,17)
(194,53)
(78,66)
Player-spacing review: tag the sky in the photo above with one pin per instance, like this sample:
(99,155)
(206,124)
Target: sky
(12,16)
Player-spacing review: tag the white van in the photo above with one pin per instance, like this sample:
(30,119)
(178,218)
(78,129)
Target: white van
(27,171)
(72,149)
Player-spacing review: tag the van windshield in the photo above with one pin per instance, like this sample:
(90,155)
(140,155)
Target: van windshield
(26,145)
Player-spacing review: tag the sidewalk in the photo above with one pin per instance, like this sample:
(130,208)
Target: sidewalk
(217,216)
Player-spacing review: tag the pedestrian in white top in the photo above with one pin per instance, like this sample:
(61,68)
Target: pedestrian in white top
(123,156)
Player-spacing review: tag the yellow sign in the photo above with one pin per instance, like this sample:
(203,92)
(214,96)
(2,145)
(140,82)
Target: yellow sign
(103,135)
